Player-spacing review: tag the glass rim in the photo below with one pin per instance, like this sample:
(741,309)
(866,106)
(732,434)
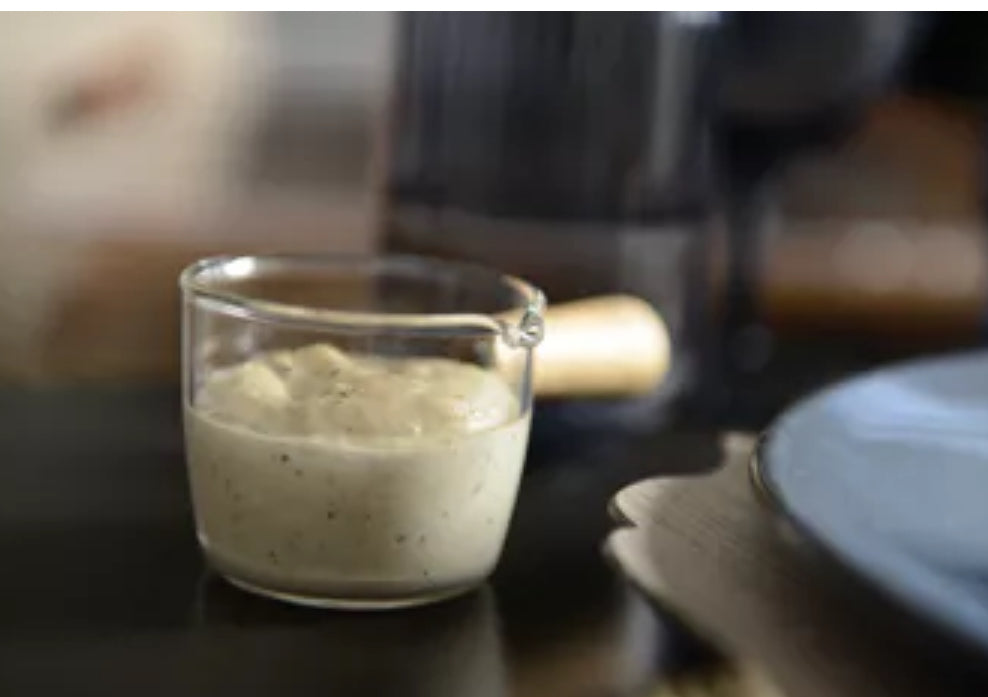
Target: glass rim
(521,323)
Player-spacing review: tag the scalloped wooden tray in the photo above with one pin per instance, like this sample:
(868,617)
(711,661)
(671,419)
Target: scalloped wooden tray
(705,550)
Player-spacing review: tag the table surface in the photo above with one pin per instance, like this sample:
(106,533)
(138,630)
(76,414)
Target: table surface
(103,590)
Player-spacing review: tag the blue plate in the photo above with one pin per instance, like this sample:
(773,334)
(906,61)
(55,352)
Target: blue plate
(888,473)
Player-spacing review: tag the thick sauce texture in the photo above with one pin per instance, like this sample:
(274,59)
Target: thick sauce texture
(318,473)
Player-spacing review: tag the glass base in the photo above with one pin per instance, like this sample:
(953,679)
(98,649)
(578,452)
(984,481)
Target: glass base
(333,603)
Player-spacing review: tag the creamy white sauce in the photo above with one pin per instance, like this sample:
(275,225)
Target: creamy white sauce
(321,474)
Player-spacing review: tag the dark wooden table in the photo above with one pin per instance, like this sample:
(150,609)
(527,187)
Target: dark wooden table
(103,591)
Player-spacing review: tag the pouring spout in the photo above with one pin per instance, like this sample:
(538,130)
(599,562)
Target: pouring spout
(525,327)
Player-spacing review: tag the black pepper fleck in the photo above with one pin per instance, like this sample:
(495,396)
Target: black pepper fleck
(285,457)
(272,556)
(421,539)
(330,515)
(400,539)
(298,472)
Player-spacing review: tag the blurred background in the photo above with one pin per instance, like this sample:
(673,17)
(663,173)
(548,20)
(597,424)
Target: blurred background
(800,196)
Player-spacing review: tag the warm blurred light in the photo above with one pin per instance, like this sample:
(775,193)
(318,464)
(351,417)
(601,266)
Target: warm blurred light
(874,258)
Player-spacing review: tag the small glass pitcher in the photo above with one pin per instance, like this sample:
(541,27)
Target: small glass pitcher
(355,427)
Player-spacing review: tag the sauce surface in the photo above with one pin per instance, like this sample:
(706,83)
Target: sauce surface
(318,473)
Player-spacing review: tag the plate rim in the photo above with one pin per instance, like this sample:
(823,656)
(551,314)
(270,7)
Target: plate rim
(768,494)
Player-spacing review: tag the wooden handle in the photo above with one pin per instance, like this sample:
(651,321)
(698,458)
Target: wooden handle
(608,346)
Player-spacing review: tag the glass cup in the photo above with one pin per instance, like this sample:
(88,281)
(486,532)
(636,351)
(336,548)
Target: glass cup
(355,427)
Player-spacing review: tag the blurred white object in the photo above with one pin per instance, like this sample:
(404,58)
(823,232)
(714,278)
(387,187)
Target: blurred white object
(132,143)
(171,145)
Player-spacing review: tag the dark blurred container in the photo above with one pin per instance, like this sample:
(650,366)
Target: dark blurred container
(601,152)
(541,143)
(567,116)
